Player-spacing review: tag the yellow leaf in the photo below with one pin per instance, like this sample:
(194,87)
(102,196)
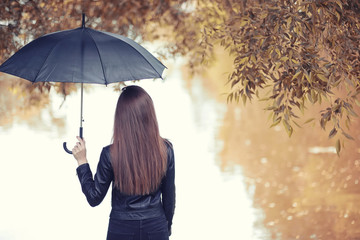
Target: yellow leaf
(337,16)
(288,128)
(253,59)
(275,123)
(276,74)
(244,99)
(276,27)
(296,75)
(338,147)
(288,22)
(261,42)
(263,15)
(322,77)
(278,52)
(298,125)
(339,3)
(245,59)
(284,59)
(357,102)
(307,76)
(290,54)
(243,22)
(297,30)
(277,66)
(309,120)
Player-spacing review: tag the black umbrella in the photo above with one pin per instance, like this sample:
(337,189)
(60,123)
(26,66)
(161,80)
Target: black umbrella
(83,55)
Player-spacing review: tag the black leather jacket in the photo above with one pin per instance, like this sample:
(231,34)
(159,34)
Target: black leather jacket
(125,207)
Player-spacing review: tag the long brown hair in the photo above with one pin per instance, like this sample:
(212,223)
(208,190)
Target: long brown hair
(138,153)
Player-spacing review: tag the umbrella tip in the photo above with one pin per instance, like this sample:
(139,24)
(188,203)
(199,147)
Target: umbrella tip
(83,20)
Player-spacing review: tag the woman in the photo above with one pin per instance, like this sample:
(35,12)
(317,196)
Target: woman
(140,166)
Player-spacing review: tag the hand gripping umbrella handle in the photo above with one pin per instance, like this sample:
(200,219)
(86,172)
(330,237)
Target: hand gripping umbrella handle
(64,144)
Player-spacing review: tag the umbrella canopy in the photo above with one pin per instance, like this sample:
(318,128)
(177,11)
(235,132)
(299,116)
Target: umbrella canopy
(83,55)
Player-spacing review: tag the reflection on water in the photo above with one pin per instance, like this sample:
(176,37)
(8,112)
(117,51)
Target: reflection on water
(40,190)
(301,188)
(317,150)
(303,195)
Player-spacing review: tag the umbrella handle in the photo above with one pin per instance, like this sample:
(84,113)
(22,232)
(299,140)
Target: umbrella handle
(66,149)
(64,143)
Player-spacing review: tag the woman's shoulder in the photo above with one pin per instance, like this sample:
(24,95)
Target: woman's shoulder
(107,148)
(169,147)
(168,143)
(105,154)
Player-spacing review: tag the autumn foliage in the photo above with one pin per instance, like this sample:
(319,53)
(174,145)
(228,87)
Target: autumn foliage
(289,53)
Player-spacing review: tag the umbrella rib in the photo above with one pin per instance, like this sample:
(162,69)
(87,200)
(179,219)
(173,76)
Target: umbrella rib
(97,49)
(144,58)
(109,34)
(51,50)
(147,61)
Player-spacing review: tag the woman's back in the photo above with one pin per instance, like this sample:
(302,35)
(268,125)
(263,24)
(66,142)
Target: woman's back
(141,166)
(138,152)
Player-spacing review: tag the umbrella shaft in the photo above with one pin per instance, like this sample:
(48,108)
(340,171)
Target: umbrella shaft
(81,106)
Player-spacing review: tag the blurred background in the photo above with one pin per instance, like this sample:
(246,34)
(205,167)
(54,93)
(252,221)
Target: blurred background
(236,176)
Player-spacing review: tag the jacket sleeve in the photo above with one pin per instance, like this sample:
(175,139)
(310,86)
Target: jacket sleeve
(96,189)
(168,188)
